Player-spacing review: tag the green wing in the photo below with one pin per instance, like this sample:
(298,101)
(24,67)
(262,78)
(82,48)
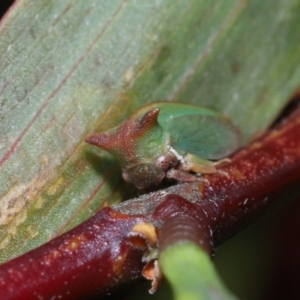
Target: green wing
(199,131)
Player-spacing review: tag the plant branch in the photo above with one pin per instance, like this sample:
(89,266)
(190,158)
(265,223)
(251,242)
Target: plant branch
(96,257)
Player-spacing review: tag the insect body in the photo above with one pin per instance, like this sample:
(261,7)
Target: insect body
(169,140)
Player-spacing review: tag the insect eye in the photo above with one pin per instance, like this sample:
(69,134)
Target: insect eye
(144,175)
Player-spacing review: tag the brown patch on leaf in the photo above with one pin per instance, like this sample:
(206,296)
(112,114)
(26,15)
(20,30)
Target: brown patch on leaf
(16,199)
(129,75)
(56,187)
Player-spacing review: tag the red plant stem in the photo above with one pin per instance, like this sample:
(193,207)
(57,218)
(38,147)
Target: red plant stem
(182,221)
(266,171)
(96,257)
(90,259)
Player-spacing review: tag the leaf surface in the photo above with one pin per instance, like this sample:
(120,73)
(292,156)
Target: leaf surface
(69,68)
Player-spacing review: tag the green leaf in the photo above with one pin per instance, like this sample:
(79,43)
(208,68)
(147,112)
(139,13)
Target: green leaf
(69,68)
(191,274)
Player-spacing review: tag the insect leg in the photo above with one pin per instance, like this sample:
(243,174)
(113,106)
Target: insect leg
(200,165)
(182,176)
